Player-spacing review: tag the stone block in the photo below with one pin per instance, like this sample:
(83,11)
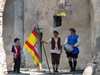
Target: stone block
(90,69)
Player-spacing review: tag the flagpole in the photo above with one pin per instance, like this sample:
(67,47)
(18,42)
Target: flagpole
(44,50)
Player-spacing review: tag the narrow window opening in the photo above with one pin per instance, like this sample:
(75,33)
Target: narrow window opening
(57,21)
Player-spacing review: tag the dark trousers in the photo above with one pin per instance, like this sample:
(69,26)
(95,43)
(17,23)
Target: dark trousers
(17,65)
(55,58)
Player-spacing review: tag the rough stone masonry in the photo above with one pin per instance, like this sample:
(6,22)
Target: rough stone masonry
(85,18)
(3,65)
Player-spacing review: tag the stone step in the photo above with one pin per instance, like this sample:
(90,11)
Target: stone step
(31,71)
(97,73)
(41,73)
(0,14)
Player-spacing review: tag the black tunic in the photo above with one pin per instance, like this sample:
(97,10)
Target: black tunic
(13,50)
(18,59)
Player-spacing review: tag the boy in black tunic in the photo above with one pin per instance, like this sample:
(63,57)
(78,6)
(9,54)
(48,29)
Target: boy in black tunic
(16,55)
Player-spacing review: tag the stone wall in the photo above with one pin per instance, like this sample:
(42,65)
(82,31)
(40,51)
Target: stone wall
(96,58)
(42,12)
(19,25)
(8,29)
(30,20)
(92,18)
(3,65)
(84,18)
(13,26)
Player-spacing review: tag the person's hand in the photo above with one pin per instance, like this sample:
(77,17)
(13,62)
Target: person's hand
(61,52)
(14,56)
(73,46)
(42,41)
(63,45)
(21,48)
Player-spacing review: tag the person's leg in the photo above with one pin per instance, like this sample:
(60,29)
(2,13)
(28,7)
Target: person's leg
(57,61)
(53,61)
(70,63)
(74,63)
(18,64)
(69,56)
(57,65)
(53,67)
(15,66)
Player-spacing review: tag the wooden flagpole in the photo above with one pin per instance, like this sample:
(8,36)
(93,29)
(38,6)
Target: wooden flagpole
(44,50)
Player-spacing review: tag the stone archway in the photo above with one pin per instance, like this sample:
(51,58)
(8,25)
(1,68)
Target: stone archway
(13,25)
(96,58)
(10,27)
(3,66)
(6,29)
(94,6)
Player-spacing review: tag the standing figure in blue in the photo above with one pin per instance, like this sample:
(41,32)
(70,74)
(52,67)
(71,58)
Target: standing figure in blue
(75,41)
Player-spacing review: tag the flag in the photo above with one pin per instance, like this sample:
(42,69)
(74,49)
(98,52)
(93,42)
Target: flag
(32,48)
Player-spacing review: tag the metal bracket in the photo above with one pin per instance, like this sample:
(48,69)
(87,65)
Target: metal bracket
(69,12)
(67,5)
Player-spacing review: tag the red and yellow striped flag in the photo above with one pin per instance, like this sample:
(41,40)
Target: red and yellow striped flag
(32,48)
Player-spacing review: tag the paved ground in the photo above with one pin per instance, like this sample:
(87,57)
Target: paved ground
(29,71)
(35,73)
(97,73)
(41,73)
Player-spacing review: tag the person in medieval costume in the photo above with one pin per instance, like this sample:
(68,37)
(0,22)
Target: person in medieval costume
(75,41)
(56,50)
(16,48)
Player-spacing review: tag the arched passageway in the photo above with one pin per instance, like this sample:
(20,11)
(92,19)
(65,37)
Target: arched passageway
(22,19)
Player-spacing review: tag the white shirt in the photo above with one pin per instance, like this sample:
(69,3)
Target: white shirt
(56,50)
(77,44)
(15,43)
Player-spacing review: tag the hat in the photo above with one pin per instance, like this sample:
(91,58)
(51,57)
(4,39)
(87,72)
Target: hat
(56,32)
(16,39)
